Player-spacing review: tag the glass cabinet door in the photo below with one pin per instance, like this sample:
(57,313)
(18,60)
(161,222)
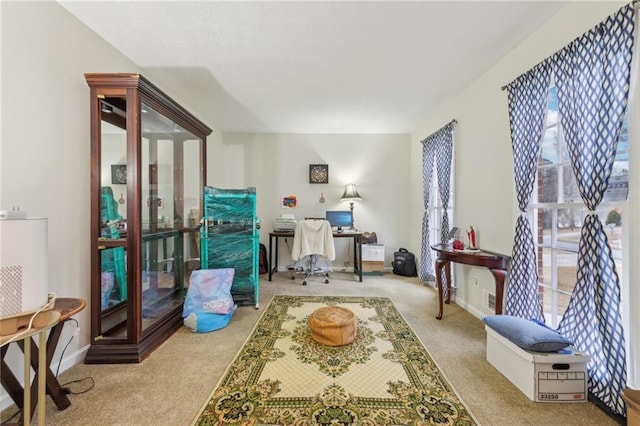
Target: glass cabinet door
(165,219)
(191,212)
(113,218)
(147,180)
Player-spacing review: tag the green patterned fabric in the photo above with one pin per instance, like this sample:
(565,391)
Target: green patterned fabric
(281,376)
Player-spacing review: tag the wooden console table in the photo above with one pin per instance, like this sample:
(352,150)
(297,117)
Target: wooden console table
(495,262)
(27,398)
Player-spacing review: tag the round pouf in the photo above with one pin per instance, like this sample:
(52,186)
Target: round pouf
(333,326)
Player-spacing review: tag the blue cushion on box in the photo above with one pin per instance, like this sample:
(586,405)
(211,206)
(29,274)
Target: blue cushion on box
(527,334)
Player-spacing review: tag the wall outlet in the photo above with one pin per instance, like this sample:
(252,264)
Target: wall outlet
(475,281)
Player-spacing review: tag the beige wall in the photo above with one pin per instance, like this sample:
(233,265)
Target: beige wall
(45,150)
(278,165)
(485,195)
(44,156)
(45,133)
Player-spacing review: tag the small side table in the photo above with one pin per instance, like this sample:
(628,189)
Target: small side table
(26,398)
(53,319)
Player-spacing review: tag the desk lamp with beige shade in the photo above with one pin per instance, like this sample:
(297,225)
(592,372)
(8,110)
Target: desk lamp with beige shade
(351,195)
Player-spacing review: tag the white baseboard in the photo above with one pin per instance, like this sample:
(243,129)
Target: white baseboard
(336,269)
(470,308)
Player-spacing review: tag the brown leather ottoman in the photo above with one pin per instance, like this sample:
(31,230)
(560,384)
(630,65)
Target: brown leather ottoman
(333,326)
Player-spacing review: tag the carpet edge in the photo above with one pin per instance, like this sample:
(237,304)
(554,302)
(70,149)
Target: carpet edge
(229,366)
(426,348)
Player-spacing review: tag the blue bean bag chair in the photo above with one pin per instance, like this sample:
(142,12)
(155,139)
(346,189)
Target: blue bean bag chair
(209,305)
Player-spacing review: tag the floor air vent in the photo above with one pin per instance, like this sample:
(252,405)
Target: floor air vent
(489,300)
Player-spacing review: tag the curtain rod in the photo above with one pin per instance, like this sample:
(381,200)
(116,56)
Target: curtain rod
(635,4)
(454,121)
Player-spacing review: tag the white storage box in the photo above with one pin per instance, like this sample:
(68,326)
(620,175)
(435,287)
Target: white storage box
(541,376)
(372,259)
(373,252)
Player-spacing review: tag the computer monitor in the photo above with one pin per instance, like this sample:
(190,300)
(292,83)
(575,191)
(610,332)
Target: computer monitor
(339,218)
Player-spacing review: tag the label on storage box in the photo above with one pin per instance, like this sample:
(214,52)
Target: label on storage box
(562,386)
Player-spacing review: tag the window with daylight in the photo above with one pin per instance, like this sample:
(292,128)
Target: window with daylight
(436,211)
(557,214)
(437,172)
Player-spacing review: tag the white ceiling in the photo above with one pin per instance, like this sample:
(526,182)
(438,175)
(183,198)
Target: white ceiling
(314,66)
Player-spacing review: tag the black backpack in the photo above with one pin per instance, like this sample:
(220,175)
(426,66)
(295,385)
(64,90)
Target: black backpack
(263,260)
(404,263)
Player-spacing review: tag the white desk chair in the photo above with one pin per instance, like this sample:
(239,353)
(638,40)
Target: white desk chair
(313,238)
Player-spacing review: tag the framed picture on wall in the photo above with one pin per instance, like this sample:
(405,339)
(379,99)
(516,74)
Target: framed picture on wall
(318,173)
(119,174)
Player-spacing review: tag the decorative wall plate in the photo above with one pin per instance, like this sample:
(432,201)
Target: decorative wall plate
(119,174)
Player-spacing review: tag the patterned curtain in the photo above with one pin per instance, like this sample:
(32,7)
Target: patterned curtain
(444,152)
(527,112)
(426,262)
(593,75)
(436,148)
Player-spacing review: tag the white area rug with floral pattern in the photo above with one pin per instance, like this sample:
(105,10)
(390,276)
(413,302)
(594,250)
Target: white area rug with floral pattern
(281,376)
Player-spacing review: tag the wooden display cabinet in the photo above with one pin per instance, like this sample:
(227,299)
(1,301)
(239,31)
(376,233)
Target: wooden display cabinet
(148,171)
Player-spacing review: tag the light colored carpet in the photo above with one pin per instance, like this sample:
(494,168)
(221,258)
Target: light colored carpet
(171,386)
(282,376)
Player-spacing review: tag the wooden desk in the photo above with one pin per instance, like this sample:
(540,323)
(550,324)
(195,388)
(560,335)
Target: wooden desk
(357,249)
(27,399)
(495,262)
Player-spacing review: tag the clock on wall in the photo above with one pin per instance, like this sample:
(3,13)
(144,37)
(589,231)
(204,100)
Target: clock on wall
(318,173)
